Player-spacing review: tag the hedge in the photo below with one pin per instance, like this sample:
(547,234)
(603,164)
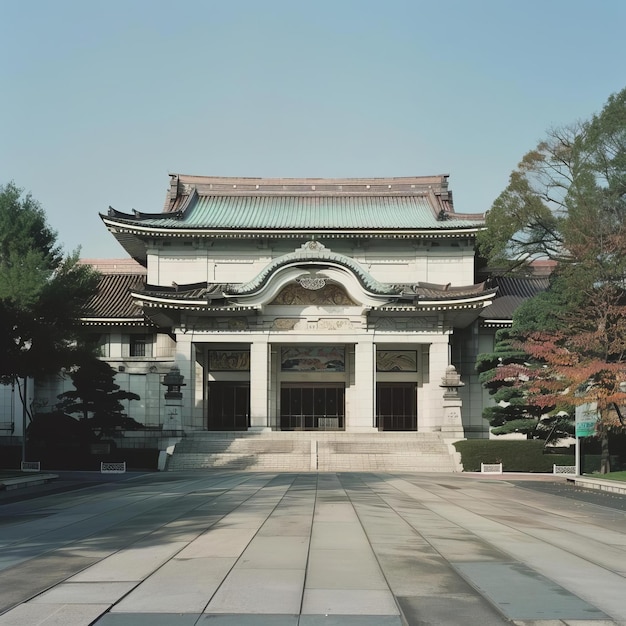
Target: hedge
(519,455)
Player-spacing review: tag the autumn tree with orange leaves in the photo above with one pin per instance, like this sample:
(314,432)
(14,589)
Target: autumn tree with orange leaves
(567,201)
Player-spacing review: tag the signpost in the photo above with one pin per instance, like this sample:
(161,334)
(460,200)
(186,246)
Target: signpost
(586,418)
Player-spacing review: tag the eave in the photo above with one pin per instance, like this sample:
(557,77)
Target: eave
(114,321)
(219,233)
(478,302)
(134,237)
(487,323)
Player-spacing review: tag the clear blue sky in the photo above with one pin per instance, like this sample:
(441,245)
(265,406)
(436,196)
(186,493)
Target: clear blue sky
(101,99)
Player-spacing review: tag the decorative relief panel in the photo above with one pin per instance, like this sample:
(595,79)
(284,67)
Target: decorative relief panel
(229,360)
(413,323)
(334,324)
(224,324)
(285,323)
(299,324)
(396,361)
(312,359)
(327,294)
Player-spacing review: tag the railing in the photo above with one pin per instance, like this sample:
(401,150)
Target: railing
(491,468)
(31,466)
(112,468)
(311,422)
(564,469)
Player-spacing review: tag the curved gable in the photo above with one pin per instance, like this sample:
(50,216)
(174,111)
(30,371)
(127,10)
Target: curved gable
(313,252)
(313,262)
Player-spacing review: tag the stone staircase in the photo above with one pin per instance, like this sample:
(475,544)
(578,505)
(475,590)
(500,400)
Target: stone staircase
(314,451)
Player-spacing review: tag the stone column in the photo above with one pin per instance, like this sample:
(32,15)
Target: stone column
(259,385)
(430,417)
(452,427)
(361,418)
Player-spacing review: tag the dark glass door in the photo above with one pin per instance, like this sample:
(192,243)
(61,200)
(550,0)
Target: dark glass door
(312,407)
(396,406)
(229,406)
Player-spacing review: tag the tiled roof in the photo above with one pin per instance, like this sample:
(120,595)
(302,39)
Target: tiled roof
(523,286)
(308,212)
(204,206)
(113,300)
(512,292)
(429,291)
(201,292)
(115,266)
(296,204)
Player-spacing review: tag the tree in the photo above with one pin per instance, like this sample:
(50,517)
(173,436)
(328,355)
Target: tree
(566,197)
(42,292)
(96,395)
(506,372)
(511,412)
(567,201)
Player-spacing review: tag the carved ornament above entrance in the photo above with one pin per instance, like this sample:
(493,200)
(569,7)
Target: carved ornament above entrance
(327,294)
(313,283)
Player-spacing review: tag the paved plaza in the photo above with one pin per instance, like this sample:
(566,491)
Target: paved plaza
(310,549)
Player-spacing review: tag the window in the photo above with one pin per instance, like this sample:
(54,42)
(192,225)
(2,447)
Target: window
(140,345)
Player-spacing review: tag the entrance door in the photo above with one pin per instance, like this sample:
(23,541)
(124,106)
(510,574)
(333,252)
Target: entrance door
(396,406)
(312,407)
(229,406)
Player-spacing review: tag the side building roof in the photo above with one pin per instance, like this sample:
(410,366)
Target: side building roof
(113,303)
(512,292)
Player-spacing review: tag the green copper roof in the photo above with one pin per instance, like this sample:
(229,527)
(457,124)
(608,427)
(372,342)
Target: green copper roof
(319,212)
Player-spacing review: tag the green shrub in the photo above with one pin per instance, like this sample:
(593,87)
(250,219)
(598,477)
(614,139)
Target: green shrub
(519,455)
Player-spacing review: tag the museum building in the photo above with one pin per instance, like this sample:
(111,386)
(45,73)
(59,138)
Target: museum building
(293,304)
(322,305)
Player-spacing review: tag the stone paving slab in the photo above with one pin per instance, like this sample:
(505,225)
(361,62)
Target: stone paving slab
(521,593)
(53,614)
(259,591)
(351,549)
(180,586)
(344,569)
(452,610)
(348,602)
(275,553)
(350,620)
(149,619)
(219,541)
(133,564)
(284,526)
(84,593)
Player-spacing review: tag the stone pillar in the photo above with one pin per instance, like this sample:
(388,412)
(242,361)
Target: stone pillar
(430,417)
(452,427)
(361,418)
(259,385)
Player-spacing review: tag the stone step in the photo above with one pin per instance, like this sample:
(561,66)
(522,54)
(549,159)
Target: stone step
(322,447)
(306,451)
(318,435)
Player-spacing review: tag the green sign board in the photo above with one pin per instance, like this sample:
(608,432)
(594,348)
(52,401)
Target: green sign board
(586,418)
